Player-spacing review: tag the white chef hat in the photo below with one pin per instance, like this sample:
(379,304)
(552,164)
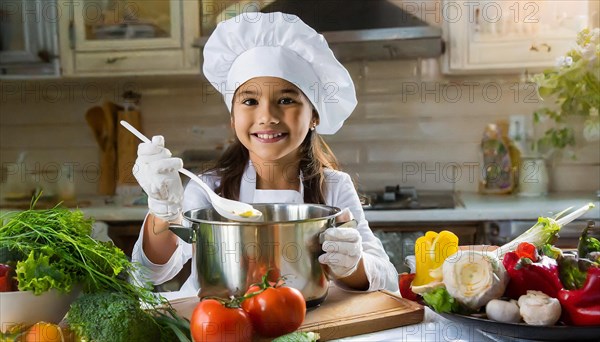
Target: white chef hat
(280,45)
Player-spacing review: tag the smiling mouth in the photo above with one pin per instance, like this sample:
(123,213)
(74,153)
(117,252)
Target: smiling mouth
(269,137)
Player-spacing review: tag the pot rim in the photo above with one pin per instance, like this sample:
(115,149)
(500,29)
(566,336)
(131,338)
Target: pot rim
(337,212)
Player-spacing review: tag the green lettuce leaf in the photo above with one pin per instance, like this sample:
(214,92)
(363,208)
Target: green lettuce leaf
(38,274)
(441,301)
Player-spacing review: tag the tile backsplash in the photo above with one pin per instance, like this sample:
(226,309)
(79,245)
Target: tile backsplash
(412,126)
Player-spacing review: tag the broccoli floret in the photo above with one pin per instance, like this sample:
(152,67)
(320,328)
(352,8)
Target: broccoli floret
(111,317)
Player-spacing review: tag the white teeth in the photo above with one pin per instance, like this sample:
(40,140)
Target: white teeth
(269,136)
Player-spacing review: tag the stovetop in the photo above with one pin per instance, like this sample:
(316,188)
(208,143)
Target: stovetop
(407,198)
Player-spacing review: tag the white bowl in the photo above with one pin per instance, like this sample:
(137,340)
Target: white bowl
(23,307)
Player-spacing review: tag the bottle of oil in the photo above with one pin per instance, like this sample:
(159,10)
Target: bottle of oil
(513,150)
(497,176)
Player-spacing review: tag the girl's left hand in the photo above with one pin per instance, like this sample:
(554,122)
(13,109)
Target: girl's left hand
(343,250)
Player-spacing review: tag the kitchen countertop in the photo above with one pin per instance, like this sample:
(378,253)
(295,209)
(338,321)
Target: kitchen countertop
(471,207)
(477,207)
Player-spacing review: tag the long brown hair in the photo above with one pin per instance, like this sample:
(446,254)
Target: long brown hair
(315,156)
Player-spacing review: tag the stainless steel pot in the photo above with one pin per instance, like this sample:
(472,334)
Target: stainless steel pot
(230,256)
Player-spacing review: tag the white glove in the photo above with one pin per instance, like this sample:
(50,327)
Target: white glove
(343,250)
(156,172)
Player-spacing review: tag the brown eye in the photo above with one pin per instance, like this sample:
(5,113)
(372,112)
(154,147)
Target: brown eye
(286,100)
(250,102)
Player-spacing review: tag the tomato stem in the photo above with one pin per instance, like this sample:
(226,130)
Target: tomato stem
(233,302)
(236,301)
(264,284)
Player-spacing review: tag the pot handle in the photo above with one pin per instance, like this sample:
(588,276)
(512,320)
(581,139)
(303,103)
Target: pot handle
(185,233)
(348,224)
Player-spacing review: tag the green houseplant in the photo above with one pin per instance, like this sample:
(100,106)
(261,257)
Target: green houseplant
(574,87)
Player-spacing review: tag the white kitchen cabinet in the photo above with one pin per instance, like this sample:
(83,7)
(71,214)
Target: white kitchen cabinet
(28,39)
(133,37)
(509,36)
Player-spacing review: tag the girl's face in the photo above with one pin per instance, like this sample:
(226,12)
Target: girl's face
(271,118)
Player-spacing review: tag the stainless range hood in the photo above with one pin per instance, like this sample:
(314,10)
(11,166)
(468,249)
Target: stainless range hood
(364,29)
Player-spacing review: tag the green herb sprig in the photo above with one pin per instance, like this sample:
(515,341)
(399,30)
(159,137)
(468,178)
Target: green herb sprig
(56,246)
(54,249)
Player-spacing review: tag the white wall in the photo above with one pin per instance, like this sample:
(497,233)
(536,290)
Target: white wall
(412,126)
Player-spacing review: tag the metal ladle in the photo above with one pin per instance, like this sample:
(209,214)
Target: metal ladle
(233,210)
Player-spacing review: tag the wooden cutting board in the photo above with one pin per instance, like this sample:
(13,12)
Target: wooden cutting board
(344,314)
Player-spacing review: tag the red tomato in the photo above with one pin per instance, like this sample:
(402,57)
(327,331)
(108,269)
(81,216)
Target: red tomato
(276,311)
(5,278)
(213,321)
(527,250)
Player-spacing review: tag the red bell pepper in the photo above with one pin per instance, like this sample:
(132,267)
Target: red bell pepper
(5,278)
(582,306)
(404,281)
(525,274)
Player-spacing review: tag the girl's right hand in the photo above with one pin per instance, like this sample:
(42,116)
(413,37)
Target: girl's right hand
(157,173)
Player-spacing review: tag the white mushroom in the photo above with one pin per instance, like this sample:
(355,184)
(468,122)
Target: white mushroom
(537,308)
(503,311)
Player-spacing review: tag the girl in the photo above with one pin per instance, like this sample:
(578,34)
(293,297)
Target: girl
(283,87)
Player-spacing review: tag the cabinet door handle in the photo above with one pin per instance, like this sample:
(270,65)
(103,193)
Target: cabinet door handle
(392,50)
(113,60)
(72,35)
(541,47)
(46,56)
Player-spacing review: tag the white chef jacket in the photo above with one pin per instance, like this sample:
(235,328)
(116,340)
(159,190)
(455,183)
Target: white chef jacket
(339,192)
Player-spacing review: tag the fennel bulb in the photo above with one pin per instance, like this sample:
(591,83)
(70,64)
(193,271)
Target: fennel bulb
(474,278)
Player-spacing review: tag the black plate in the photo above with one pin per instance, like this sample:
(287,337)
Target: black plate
(526,331)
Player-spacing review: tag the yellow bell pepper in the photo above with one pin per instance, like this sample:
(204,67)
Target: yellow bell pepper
(430,252)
